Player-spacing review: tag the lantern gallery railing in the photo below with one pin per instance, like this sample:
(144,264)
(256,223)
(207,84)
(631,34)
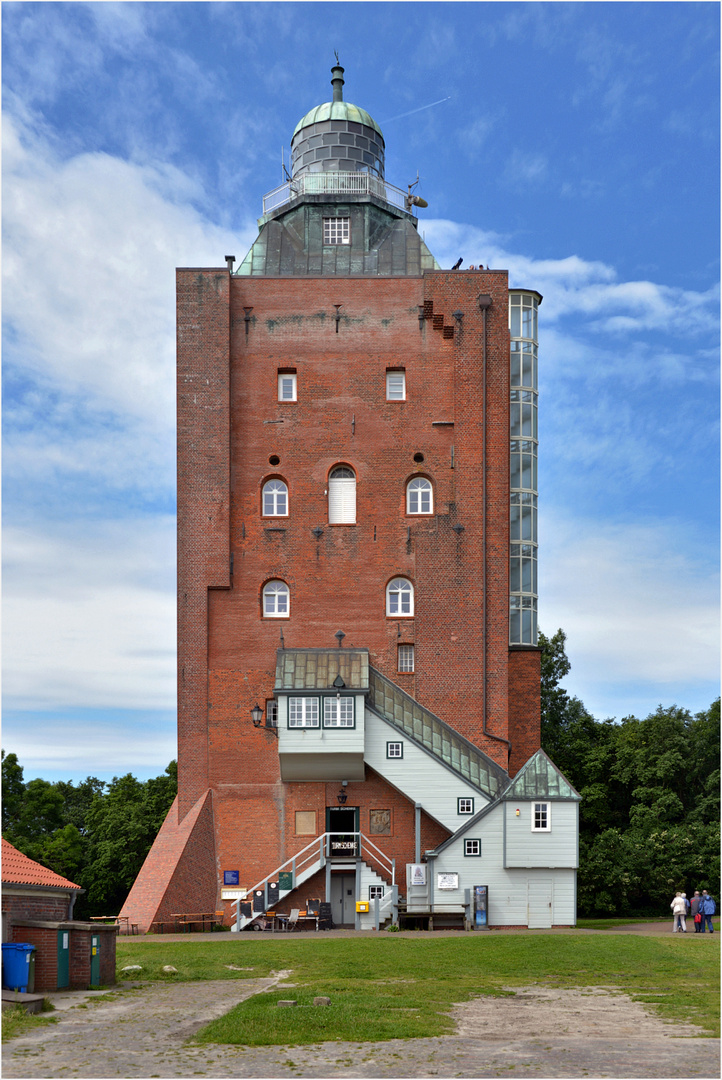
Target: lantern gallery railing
(336,183)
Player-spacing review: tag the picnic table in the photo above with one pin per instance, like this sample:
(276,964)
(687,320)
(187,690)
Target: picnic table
(184,920)
(122,923)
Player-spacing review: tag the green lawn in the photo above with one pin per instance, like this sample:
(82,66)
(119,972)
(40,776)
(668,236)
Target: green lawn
(394,986)
(18,1021)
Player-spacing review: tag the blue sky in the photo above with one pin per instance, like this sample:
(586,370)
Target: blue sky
(577,146)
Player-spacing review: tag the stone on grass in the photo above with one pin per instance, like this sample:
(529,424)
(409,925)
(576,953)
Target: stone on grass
(322,1001)
(169,969)
(132,967)
(286,1004)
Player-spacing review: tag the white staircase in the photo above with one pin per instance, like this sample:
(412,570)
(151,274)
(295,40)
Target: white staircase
(307,862)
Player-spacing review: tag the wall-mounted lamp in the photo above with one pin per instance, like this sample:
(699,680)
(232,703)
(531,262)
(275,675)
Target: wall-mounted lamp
(339,685)
(342,796)
(517,812)
(257,715)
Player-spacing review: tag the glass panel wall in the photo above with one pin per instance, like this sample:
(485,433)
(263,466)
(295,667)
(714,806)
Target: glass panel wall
(523,313)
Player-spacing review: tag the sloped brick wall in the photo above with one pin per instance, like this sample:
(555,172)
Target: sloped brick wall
(179,874)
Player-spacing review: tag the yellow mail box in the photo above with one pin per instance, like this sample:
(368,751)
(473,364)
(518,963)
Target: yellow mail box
(362,905)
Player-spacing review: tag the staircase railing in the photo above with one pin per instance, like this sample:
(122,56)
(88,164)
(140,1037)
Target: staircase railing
(394,705)
(387,865)
(319,850)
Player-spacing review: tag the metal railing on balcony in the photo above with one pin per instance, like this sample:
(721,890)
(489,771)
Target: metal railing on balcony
(390,702)
(336,183)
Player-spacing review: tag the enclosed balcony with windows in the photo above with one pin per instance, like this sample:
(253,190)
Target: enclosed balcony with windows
(321,695)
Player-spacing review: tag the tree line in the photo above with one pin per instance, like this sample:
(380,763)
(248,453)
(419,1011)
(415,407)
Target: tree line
(650,812)
(96,834)
(649,816)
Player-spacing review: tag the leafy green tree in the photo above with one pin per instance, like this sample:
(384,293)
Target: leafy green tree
(93,833)
(35,819)
(65,852)
(13,791)
(122,825)
(78,799)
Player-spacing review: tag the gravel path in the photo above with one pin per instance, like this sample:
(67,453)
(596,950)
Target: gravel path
(140,1032)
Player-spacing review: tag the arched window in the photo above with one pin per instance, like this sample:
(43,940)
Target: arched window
(275,499)
(276,600)
(419,496)
(342,496)
(400,598)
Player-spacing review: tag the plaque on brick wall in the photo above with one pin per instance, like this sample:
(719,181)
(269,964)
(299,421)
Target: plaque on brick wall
(272,888)
(285,880)
(380,822)
(230,877)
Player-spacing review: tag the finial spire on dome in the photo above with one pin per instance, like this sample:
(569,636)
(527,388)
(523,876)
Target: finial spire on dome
(337,81)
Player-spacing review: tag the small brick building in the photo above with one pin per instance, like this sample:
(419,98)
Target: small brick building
(37,908)
(358,673)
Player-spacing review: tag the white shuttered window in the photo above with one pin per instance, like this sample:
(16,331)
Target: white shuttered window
(342,497)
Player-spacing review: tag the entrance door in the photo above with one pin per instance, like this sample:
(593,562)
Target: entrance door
(540,903)
(343,820)
(63,959)
(343,899)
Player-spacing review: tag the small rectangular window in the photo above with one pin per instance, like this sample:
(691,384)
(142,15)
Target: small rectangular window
(286,386)
(305,823)
(406,658)
(272,713)
(338,712)
(376,892)
(336,230)
(303,712)
(465,806)
(394,749)
(541,817)
(396,386)
(472,847)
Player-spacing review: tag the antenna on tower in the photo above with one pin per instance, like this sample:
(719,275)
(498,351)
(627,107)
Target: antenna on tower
(414,200)
(335,53)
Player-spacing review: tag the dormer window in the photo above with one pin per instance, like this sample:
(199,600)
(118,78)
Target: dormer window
(337,230)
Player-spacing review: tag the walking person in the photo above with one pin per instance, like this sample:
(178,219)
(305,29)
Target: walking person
(707,908)
(679,912)
(694,911)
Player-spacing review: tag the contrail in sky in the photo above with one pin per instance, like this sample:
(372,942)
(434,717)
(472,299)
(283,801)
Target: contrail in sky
(421,109)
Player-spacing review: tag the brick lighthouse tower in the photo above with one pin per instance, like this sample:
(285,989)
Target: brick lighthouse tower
(358,676)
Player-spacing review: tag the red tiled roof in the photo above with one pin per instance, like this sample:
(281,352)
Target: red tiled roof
(18,869)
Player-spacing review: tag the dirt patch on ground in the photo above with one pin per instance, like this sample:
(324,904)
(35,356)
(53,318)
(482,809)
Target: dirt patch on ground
(543,1012)
(141,1032)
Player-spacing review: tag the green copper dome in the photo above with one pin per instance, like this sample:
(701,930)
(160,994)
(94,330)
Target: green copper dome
(336,110)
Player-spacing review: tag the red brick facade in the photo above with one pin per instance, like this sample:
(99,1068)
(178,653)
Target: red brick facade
(44,936)
(234,336)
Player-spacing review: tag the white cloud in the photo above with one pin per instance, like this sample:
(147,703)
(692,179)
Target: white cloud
(575,286)
(524,169)
(103,745)
(637,608)
(89,255)
(89,615)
